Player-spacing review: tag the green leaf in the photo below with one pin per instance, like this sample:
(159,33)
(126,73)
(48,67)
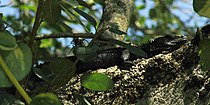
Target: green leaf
(132,49)
(202,7)
(204,53)
(8,99)
(73,3)
(117,31)
(44,74)
(46,43)
(27,18)
(57,71)
(153,13)
(86,16)
(85,53)
(140,7)
(45,99)
(51,11)
(27,7)
(84,4)
(69,12)
(19,62)
(142,20)
(97,82)
(101,2)
(7,41)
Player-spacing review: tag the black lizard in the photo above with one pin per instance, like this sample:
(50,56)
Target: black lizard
(117,56)
(164,44)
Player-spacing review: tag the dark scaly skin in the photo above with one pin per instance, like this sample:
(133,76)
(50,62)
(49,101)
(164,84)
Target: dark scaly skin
(121,56)
(164,44)
(103,59)
(118,56)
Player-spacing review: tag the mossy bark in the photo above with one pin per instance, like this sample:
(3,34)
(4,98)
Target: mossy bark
(116,15)
(165,79)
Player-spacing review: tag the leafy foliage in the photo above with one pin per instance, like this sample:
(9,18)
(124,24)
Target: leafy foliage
(132,49)
(117,31)
(97,82)
(65,16)
(51,11)
(8,99)
(57,73)
(86,16)
(45,99)
(7,41)
(85,53)
(204,51)
(73,3)
(19,62)
(202,7)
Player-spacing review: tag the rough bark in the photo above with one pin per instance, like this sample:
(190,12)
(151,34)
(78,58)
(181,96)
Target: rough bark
(116,14)
(165,79)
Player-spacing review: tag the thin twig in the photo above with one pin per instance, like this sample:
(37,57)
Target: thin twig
(65,35)
(37,22)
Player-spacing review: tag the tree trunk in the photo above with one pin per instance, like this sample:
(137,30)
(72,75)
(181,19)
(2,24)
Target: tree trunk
(116,15)
(165,79)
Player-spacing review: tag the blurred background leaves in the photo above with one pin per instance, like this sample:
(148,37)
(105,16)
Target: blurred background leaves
(151,18)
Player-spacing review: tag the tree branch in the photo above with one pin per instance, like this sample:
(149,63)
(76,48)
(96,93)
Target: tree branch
(37,22)
(165,79)
(116,14)
(65,35)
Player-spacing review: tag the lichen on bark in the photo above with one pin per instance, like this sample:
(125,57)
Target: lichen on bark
(116,14)
(165,79)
